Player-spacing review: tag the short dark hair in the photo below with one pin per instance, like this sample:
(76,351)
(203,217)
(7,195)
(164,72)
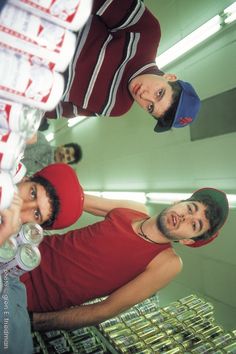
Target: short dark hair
(77,152)
(167,118)
(213,214)
(53,198)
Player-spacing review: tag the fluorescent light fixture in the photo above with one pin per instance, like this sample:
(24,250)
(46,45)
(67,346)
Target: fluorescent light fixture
(95,193)
(166,198)
(155,198)
(230,13)
(136,196)
(187,43)
(49,137)
(232,200)
(76,120)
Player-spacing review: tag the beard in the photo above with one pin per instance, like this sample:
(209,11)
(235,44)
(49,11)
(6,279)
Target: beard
(162,226)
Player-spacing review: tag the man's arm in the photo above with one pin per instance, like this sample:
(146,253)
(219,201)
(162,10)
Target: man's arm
(160,271)
(10,219)
(118,13)
(102,206)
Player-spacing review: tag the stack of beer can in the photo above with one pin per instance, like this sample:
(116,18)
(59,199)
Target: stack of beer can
(36,46)
(20,253)
(185,326)
(79,341)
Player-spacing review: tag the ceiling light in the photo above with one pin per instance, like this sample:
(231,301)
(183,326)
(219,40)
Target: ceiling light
(230,13)
(76,120)
(49,137)
(135,196)
(166,198)
(187,43)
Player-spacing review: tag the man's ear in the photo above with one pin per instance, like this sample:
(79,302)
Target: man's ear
(187,241)
(170,77)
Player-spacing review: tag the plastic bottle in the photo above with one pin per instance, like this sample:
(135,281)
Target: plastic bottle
(32,35)
(28,83)
(71,14)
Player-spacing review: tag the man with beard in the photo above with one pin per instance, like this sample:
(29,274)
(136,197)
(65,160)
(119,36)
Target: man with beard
(40,154)
(128,257)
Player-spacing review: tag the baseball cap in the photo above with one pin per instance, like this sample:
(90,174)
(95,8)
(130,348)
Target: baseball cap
(220,199)
(186,112)
(69,191)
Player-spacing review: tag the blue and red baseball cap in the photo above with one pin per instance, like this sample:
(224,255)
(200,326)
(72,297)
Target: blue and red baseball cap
(186,111)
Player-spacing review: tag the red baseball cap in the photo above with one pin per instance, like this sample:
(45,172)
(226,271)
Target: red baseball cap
(220,199)
(69,191)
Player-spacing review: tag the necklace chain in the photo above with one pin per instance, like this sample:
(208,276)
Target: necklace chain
(142,234)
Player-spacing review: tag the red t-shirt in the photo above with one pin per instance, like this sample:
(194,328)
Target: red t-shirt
(88,263)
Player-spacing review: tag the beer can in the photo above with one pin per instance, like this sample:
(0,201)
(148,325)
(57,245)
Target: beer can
(133,348)
(204,309)
(27,258)
(222,339)
(212,332)
(135,320)
(173,351)
(36,86)
(129,315)
(122,332)
(188,299)
(203,348)
(7,251)
(11,146)
(186,315)
(109,323)
(125,340)
(162,346)
(156,338)
(145,351)
(68,14)
(140,326)
(114,327)
(30,233)
(230,348)
(19,118)
(146,333)
(7,189)
(157,317)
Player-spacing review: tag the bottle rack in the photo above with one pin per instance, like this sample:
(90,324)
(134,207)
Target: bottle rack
(186,326)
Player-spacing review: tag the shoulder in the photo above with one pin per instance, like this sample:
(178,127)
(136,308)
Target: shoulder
(167,261)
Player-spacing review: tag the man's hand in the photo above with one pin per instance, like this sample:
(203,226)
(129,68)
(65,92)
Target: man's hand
(32,140)
(10,219)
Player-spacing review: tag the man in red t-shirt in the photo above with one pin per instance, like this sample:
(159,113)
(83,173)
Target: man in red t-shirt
(127,257)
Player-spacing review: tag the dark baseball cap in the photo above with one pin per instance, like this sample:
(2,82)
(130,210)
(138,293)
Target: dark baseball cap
(186,112)
(220,199)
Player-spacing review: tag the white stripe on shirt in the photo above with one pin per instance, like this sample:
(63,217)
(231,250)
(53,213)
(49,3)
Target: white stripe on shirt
(131,51)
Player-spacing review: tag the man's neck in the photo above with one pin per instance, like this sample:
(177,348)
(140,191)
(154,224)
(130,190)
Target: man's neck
(147,229)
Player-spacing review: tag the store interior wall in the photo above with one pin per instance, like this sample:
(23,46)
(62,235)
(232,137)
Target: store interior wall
(125,154)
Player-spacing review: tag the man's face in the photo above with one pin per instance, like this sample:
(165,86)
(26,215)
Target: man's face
(183,220)
(36,206)
(153,92)
(64,154)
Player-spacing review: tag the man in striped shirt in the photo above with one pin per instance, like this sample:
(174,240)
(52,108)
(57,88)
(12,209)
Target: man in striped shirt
(114,65)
